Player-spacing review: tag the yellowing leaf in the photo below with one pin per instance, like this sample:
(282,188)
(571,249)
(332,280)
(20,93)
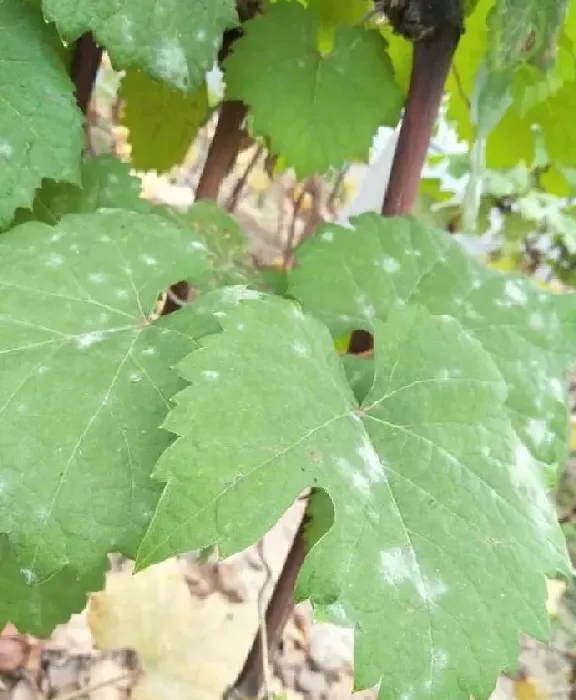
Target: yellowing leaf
(341,344)
(503,263)
(189,648)
(259,181)
(161,119)
(325,39)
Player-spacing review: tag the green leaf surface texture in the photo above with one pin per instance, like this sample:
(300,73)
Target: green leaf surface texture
(39,607)
(521,30)
(317,110)
(384,264)
(175,40)
(227,246)
(85,381)
(106,183)
(41,132)
(442,531)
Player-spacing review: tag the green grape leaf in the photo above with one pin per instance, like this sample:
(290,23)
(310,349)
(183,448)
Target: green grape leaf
(41,132)
(469,55)
(512,139)
(490,100)
(298,97)
(162,121)
(555,117)
(400,52)
(360,374)
(106,184)
(38,608)
(330,13)
(383,263)
(440,519)
(511,142)
(85,381)
(530,87)
(226,243)
(175,41)
(524,30)
(543,208)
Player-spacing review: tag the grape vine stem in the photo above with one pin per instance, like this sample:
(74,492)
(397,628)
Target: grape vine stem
(84,69)
(431,63)
(250,680)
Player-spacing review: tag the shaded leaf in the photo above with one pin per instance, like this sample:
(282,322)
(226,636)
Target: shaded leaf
(162,121)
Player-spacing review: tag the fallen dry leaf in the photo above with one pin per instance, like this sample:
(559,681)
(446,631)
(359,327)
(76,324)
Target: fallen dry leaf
(556,589)
(14,650)
(189,649)
(527,689)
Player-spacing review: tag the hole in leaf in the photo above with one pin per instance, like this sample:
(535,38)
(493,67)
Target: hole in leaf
(361,344)
(177,296)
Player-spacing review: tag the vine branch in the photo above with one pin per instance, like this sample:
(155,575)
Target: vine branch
(223,149)
(432,58)
(252,676)
(84,69)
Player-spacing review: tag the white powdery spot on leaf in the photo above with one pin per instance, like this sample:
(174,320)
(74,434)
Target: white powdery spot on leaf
(234,295)
(97,278)
(557,389)
(373,467)
(408,694)
(439,659)
(6,149)
(194,246)
(527,477)
(366,308)
(338,612)
(327,236)
(127,29)
(438,663)
(515,292)
(399,565)
(299,349)
(171,64)
(536,321)
(88,339)
(29,576)
(210,374)
(391,265)
(148,259)
(54,260)
(539,431)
